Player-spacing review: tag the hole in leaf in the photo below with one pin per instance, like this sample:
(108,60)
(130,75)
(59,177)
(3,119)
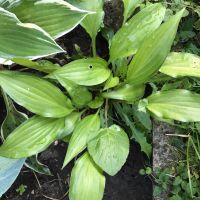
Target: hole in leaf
(90,66)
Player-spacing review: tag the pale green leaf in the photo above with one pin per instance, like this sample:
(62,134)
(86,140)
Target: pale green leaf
(31,137)
(130,37)
(109,149)
(126,92)
(9,170)
(181,64)
(88,72)
(87,181)
(35,94)
(56,17)
(178,104)
(13,117)
(153,51)
(23,40)
(129,7)
(111,82)
(70,122)
(41,65)
(85,130)
(79,94)
(92,22)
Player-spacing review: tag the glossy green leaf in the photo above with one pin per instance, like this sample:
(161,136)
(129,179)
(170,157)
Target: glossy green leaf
(56,17)
(87,181)
(129,7)
(9,170)
(13,118)
(88,72)
(79,94)
(42,65)
(130,37)
(153,51)
(109,149)
(126,92)
(92,22)
(23,40)
(111,82)
(178,104)
(96,103)
(70,123)
(31,137)
(181,64)
(35,94)
(34,164)
(85,130)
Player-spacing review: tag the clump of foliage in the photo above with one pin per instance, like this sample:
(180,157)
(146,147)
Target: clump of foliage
(97,97)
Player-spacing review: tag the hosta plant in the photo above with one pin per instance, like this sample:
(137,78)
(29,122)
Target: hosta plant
(83,101)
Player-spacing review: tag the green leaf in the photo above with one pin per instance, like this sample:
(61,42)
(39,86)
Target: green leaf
(181,64)
(31,137)
(85,130)
(125,92)
(34,164)
(9,170)
(35,94)
(42,65)
(129,7)
(111,82)
(23,40)
(56,17)
(92,22)
(13,118)
(96,103)
(130,37)
(109,149)
(87,181)
(178,104)
(88,72)
(79,94)
(70,122)
(153,51)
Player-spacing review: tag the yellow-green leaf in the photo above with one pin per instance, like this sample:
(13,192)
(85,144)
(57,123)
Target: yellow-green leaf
(23,40)
(85,130)
(31,137)
(87,181)
(130,37)
(181,64)
(88,72)
(35,94)
(153,51)
(178,104)
(56,17)
(126,92)
(109,149)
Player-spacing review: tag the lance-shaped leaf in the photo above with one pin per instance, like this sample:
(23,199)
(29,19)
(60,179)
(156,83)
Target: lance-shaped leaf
(109,149)
(126,92)
(13,118)
(9,170)
(56,17)
(41,65)
(130,37)
(181,64)
(23,40)
(181,105)
(129,7)
(31,137)
(88,72)
(35,94)
(87,181)
(153,51)
(79,94)
(85,130)
(93,22)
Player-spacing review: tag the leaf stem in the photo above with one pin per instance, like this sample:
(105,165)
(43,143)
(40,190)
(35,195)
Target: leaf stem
(94,52)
